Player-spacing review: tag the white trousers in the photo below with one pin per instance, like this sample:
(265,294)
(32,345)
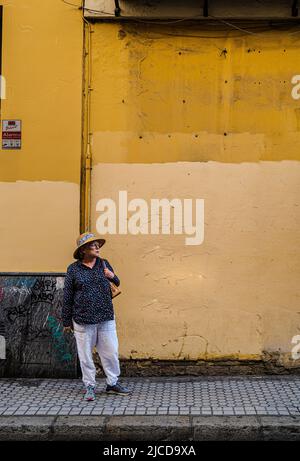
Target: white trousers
(104,337)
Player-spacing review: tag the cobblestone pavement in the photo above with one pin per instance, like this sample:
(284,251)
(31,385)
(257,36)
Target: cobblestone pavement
(253,395)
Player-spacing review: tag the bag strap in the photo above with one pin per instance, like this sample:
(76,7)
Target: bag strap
(103,264)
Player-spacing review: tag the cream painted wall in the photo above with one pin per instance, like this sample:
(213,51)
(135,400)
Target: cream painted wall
(40,225)
(236,294)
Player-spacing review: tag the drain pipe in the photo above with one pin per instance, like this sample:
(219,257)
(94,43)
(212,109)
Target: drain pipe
(86,150)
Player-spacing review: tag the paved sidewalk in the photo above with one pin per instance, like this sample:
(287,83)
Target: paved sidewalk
(247,396)
(157,407)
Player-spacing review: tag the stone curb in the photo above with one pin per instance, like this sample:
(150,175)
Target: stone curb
(149,428)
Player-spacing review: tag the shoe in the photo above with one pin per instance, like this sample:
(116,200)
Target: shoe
(117,389)
(90,393)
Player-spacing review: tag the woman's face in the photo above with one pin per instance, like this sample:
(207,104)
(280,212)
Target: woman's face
(91,250)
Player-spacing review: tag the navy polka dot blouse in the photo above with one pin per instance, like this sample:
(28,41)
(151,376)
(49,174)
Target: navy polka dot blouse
(87,294)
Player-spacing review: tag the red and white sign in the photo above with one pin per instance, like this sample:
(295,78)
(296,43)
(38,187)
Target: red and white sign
(11,134)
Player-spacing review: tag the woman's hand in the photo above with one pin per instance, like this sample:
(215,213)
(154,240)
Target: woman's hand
(68,330)
(109,274)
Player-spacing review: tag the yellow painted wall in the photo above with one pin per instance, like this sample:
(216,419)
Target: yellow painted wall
(177,117)
(168,89)
(42,65)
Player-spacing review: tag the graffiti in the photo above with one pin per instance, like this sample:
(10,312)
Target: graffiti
(31,333)
(19,282)
(43,291)
(30,322)
(17,311)
(28,325)
(59,341)
(28,282)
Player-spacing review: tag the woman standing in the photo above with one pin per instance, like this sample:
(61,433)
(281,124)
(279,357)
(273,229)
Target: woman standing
(88,311)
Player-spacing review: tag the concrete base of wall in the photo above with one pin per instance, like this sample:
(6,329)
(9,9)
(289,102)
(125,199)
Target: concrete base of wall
(131,368)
